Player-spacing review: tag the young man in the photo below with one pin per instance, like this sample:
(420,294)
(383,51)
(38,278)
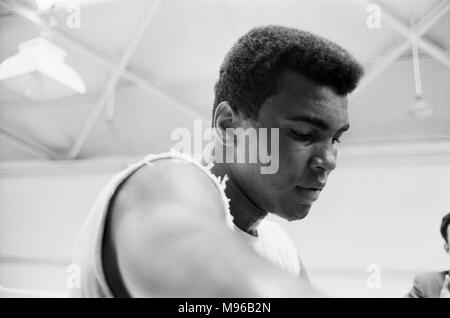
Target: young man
(166,226)
(434,284)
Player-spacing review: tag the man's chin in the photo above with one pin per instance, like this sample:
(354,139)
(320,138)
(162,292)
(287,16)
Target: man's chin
(295,213)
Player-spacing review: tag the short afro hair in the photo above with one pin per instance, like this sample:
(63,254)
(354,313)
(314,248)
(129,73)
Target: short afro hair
(444,226)
(249,73)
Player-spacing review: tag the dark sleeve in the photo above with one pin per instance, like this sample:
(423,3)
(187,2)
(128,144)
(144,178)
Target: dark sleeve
(416,291)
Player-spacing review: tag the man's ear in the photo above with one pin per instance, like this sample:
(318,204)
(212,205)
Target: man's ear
(225,119)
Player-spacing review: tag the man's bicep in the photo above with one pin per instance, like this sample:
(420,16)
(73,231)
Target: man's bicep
(161,224)
(157,252)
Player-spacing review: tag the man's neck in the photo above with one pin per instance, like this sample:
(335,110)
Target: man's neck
(246,214)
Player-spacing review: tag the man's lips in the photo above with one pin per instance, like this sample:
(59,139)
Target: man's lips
(311,194)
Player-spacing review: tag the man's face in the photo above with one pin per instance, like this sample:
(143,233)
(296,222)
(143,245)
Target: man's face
(310,118)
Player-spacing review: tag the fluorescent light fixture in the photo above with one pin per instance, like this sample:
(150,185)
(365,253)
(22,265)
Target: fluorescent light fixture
(39,73)
(45,5)
(420,109)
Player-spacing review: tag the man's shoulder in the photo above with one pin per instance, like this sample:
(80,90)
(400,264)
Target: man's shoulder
(427,285)
(161,201)
(431,277)
(170,179)
(165,195)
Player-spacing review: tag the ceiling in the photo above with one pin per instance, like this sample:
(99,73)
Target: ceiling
(164,79)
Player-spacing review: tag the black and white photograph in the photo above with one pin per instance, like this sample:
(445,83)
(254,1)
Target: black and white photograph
(225,149)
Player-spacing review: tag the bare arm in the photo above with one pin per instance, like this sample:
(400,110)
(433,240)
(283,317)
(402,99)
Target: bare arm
(171,238)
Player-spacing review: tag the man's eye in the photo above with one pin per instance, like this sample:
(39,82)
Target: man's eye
(300,136)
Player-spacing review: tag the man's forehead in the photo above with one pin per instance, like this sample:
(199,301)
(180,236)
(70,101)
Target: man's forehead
(297,84)
(318,106)
(298,93)
(298,96)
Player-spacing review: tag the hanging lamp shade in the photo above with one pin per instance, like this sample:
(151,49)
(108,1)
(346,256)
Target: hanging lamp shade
(39,72)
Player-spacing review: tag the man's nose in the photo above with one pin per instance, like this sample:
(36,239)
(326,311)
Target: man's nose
(324,158)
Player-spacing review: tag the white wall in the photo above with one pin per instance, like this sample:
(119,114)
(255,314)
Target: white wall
(378,208)
(41,210)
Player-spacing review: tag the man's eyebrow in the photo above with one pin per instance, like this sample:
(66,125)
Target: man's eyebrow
(310,120)
(316,122)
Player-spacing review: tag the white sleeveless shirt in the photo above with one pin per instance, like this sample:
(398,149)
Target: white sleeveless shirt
(272,242)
